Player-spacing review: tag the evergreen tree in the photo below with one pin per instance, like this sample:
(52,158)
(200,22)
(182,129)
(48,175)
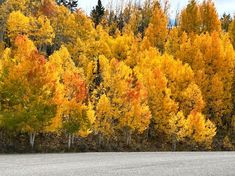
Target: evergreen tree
(97,13)
(225,22)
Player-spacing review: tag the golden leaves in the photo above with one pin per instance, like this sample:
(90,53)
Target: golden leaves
(17,24)
(200,129)
(42,31)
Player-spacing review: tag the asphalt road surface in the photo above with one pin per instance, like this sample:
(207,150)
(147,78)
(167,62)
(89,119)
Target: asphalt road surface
(119,164)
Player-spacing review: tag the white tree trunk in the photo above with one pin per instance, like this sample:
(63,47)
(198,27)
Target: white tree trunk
(128,137)
(32,139)
(69,141)
(71,138)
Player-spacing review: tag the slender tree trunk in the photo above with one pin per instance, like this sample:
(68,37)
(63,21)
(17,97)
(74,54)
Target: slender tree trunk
(69,141)
(71,138)
(128,136)
(100,139)
(32,136)
(174,143)
(150,130)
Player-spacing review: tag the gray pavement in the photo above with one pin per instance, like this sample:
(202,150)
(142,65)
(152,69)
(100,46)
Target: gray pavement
(119,164)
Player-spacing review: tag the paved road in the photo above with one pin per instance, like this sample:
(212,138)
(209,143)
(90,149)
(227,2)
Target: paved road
(119,164)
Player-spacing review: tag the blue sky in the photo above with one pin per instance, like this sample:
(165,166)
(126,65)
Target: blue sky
(227,6)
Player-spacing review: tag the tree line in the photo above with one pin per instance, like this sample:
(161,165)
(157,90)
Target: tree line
(118,74)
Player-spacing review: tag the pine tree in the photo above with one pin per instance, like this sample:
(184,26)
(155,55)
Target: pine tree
(97,13)
(225,22)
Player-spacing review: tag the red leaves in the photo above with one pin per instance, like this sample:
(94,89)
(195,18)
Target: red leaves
(134,93)
(37,72)
(159,76)
(40,59)
(75,86)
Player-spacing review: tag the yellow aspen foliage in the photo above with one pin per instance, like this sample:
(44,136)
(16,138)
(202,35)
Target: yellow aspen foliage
(130,76)
(42,32)
(121,46)
(25,47)
(178,128)
(90,113)
(172,94)
(105,68)
(179,75)
(73,115)
(76,32)
(104,116)
(190,19)
(201,130)
(64,26)
(129,99)
(97,44)
(1,48)
(212,59)
(192,99)
(84,25)
(58,62)
(17,24)
(209,17)
(200,18)
(8,7)
(26,107)
(189,53)
(134,21)
(173,41)
(13,5)
(156,33)
(125,48)
(125,99)
(70,26)
(84,39)
(159,95)
(167,109)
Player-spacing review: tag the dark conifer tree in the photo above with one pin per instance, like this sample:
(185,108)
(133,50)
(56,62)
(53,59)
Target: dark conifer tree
(97,13)
(225,22)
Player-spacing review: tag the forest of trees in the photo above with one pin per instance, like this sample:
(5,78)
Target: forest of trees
(123,79)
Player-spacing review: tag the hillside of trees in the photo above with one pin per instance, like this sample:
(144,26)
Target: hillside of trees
(123,79)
